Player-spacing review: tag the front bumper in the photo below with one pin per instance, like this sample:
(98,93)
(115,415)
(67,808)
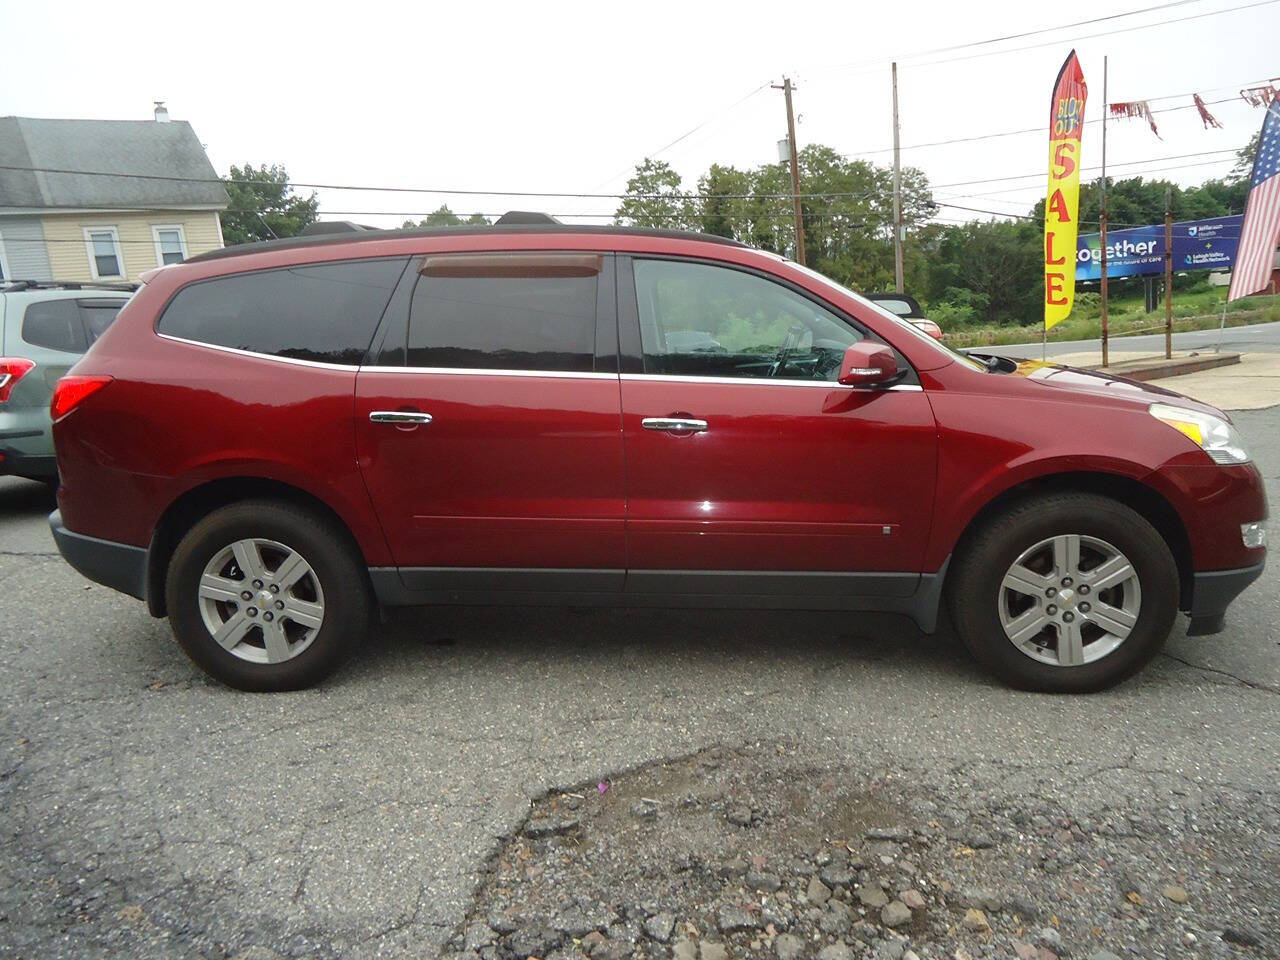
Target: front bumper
(119,566)
(1211,594)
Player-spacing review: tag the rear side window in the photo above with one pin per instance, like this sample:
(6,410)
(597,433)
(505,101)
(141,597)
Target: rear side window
(55,325)
(97,316)
(324,312)
(505,312)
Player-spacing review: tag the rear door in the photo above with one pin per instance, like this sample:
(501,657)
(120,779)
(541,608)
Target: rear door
(489,425)
(750,470)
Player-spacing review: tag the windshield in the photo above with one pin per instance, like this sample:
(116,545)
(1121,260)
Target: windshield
(905,325)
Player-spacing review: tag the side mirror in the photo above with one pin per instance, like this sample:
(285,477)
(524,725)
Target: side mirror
(867,364)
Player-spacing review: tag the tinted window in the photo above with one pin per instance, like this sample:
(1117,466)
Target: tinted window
(505,312)
(97,316)
(54,324)
(327,312)
(702,320)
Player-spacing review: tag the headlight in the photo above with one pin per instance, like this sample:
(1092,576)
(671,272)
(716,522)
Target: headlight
(1212,434)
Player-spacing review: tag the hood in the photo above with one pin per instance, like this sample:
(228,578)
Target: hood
(1097,383)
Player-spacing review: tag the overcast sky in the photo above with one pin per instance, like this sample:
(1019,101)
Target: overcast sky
(568,97)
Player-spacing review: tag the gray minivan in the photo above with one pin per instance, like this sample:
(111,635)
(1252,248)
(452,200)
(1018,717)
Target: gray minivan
(44,329)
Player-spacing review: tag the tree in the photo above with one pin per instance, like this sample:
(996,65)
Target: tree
(262,205)
(444,217)
(654,198)
(993,267)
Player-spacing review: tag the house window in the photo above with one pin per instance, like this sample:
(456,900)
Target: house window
(103,245)
(4,261)
(171,243)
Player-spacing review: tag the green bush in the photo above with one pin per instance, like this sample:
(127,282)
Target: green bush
(951,316)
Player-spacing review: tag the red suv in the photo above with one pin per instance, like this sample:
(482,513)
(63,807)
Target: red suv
(275,438)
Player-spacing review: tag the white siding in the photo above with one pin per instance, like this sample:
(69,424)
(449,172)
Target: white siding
(26,256)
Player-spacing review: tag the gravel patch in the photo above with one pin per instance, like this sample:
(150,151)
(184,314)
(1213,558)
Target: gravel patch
(771,852)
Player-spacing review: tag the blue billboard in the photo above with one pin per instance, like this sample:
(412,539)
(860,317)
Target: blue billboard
(1197,245)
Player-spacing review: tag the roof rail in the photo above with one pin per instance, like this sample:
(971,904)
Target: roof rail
(15,286)
(360,236)
(525,217)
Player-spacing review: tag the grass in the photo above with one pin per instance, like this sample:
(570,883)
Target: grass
(1192,310)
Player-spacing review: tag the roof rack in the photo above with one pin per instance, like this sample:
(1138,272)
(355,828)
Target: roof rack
(16,286)
(357,235)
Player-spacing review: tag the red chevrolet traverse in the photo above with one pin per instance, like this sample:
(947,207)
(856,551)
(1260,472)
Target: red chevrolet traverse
(275,438)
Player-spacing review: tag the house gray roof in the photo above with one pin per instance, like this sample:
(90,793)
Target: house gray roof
(139,147)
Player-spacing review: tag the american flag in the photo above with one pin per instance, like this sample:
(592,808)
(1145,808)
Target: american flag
(1261,228)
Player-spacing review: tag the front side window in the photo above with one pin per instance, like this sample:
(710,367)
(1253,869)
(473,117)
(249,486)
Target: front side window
(323,312)
(104,252)
(702,320)
(55,325)
(171,245)
(505,312)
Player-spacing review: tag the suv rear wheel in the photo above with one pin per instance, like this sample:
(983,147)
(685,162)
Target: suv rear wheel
(266,596)
(1066,593)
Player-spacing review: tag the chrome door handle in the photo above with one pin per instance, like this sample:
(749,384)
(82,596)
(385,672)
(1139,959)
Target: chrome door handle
(674,424)
(399,416)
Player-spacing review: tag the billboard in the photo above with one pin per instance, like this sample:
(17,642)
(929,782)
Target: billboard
(1138,251)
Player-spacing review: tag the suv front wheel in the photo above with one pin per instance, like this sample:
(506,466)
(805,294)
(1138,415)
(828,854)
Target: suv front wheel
(266,596)
(1067,593)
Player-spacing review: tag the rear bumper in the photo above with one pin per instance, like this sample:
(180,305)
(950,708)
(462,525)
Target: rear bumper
(16,464)
(119,566)
(1212,592)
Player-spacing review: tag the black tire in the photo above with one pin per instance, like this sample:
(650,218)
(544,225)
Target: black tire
(335,563)
(974,589)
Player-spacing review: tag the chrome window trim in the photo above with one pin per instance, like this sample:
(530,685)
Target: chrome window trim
(765,382)
(494,372)
(296,361)
(557,374)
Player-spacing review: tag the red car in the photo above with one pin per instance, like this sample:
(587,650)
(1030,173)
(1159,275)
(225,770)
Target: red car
(273,439)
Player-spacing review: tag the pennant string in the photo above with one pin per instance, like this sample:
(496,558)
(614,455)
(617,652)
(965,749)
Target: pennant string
(1207,118)
(1136,108)
(1259,96)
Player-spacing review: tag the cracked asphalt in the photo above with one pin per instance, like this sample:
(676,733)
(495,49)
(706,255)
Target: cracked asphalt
(148,812)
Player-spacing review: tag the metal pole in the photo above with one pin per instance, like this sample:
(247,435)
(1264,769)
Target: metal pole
(897,191)
(1168,273)
(1103,219)
(795,169)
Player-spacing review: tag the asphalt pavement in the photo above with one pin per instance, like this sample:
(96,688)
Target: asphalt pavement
(1255,338)
(146,811)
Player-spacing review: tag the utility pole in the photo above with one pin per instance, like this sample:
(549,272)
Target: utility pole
(1168,273)
(1103,220)
(786,89)
(897,190)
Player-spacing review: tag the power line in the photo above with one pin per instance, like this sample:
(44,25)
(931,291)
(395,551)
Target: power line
(1015,36)
(544,194)
(1040,129)
(690,132)
(1062,40)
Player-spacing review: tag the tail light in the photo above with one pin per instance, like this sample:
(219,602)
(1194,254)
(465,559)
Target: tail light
(12,369)
(73,391)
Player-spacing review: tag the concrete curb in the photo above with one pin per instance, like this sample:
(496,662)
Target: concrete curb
(1158,369)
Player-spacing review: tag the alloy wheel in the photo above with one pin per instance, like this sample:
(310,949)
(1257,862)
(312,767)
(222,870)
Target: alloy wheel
(1069,600)
(261,601)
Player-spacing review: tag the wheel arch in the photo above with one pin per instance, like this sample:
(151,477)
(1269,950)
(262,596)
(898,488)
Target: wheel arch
(198,502)
(1138,496)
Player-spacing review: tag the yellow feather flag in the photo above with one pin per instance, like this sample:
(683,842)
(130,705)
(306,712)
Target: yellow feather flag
(1062,201)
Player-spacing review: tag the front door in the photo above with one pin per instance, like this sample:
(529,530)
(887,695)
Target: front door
(749,468)
(490,436)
